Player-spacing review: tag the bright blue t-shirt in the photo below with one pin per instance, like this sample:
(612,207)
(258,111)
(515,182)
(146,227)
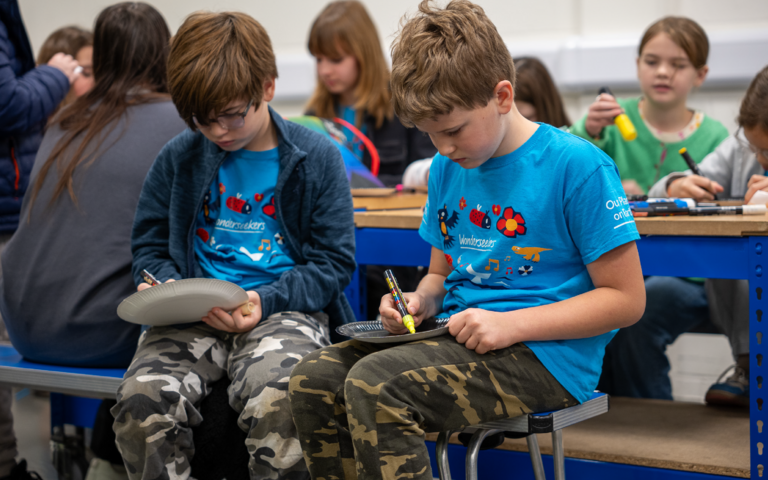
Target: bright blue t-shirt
(353,142)
(237,235)
(519,230)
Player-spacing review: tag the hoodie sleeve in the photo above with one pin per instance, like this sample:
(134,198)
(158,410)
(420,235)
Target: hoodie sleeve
(329,255)
(27,100)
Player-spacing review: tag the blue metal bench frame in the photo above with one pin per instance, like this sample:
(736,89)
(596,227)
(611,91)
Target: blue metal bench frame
(67,386)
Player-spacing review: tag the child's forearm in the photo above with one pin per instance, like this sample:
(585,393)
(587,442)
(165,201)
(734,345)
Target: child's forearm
(587,315)
(432,289)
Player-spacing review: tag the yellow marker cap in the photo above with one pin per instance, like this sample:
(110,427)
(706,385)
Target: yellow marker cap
(624,124)
(408,322)
(682,150)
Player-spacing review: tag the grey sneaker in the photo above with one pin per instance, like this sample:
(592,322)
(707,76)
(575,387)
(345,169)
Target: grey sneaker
(734,391)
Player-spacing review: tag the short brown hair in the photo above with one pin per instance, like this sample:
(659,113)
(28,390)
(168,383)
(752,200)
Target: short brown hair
(447,58)
(686,33)
(754,107)
(215,59)
(345,28)
(67,40)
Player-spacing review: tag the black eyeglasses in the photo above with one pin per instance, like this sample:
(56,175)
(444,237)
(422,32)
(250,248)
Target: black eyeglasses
(229,121)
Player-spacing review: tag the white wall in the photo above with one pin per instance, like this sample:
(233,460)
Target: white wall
(583,42)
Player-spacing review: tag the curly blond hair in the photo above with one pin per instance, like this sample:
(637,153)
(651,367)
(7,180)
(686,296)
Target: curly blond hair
(446,58)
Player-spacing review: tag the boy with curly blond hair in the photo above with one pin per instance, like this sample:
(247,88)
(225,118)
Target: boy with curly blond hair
(533,259)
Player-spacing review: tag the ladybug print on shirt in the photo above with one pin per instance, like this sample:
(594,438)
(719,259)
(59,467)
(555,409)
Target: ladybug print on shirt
(479,218)
(241,241)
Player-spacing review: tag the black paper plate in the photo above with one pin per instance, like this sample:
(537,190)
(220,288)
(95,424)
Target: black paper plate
(373,332)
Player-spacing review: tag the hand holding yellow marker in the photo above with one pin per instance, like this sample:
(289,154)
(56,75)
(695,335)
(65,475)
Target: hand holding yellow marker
(400,304)
(622,121)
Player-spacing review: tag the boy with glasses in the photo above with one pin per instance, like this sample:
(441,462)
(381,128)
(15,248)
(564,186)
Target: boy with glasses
(735,169)
(247,197)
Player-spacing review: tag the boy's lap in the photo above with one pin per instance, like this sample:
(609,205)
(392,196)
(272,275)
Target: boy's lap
(178,359)
(439,359)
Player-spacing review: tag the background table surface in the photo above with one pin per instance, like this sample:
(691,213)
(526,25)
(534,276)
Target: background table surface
(716,225)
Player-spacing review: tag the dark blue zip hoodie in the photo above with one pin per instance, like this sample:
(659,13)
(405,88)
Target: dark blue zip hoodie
(313,205)
(27,96)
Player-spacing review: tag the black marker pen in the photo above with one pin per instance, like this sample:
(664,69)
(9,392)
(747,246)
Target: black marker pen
(691,164)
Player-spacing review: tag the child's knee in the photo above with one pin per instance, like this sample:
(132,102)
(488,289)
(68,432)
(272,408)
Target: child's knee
(312,374)
(368,377)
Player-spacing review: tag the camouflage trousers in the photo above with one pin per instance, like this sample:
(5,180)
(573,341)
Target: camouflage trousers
(174,369)
(362,410)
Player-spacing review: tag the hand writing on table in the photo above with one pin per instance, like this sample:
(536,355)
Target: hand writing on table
(481,330)
(236,322)
(694,186)
(390,317)
(755,184)
(143,285)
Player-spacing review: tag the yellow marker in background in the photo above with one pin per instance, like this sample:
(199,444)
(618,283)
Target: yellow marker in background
(622,121)
(400,303)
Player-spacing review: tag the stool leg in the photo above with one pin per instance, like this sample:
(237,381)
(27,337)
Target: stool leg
(441,452)
(472,451)
(558,455)
(538,465)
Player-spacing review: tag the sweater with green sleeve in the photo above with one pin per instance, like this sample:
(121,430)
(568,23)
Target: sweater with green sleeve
(646,159)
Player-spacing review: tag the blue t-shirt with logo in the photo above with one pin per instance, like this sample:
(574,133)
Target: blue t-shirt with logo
(519,230)
(237,235)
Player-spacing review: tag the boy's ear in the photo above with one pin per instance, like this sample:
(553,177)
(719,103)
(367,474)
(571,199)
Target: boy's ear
(269,90)
(701,75)
(504,95)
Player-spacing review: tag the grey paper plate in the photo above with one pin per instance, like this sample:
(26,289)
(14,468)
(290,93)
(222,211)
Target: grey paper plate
(373,332)
(182,301)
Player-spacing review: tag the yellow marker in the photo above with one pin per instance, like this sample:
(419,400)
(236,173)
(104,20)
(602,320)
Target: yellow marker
(622,121)
(400,303)
(625,126)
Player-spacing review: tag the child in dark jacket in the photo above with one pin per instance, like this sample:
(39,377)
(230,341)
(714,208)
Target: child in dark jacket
(240,179)
(353,84)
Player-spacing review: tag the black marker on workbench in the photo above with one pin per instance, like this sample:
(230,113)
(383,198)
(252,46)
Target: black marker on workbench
(692,165)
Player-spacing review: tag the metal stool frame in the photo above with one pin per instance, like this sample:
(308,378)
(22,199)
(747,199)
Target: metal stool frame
(548,422)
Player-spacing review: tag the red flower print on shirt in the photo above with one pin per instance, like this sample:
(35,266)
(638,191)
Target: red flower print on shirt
(511,224)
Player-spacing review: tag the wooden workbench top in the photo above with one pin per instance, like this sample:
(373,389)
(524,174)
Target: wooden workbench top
(716,225)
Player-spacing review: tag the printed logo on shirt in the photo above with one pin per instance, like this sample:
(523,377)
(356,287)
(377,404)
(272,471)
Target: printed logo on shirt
(619,208)
(247,227)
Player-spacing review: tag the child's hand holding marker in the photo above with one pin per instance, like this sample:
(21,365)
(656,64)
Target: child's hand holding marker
(397,310)
(694,186)
(150,281)
(601,114)
(391,318)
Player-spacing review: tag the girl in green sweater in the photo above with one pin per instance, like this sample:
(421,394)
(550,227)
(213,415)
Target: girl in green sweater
(672,61)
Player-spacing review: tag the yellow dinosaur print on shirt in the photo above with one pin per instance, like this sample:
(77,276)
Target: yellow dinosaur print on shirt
(530,253)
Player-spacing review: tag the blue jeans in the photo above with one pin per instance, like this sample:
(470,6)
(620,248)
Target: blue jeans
(635,363)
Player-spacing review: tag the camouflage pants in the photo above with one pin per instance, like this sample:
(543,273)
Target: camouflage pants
(362,409)
(173,370)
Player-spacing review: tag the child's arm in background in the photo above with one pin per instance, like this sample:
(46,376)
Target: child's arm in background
(717,169)
(756,183)
(151,232)
(617,301)
(425,302)
(417,173)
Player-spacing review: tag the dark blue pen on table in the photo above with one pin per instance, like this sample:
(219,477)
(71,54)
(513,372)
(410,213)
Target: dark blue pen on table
(692,165)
